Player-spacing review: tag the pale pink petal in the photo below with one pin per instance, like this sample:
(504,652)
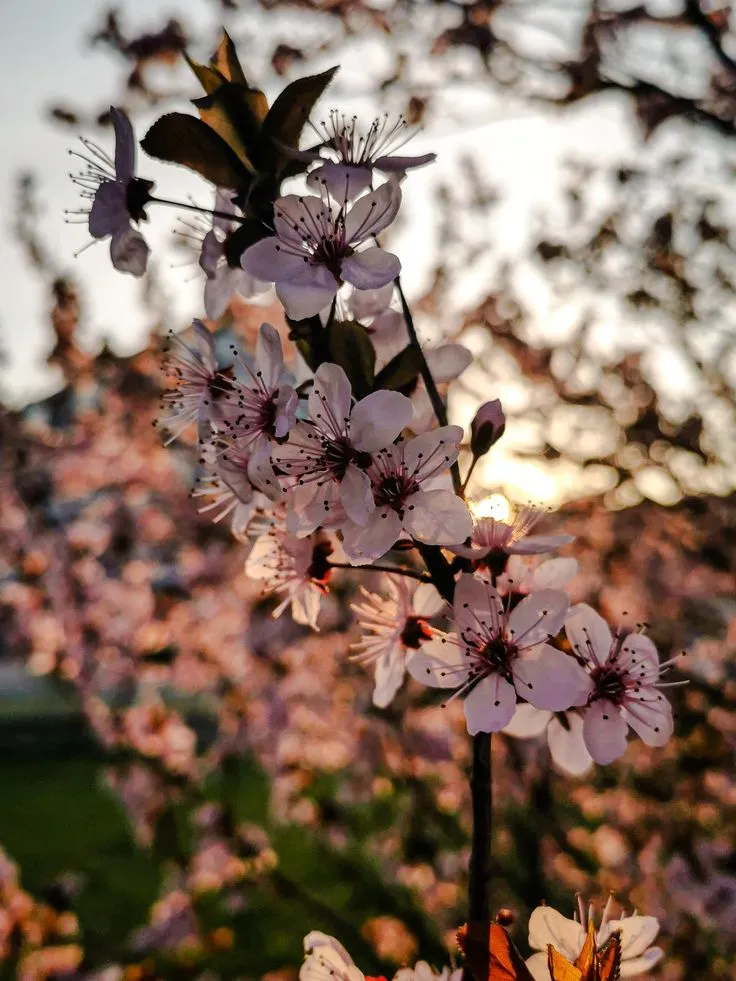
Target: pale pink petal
(370,269)
(448,361)
(124,145)
(527,722)
(401,164)
(638,933)
(129,251)
(547,926)
(438,665)
(269,356)
(538,544)
(538,968)
(427,601)
(550,679)
(269,261)
(640,656)
(342,180)
(390,670)
(210,254)
(433,452)
(217,294)
(372,213)
(477,604)
(552,574)
(437,517)
(109,211)
(330,398)
(364,544)
(650,715)
(286,404)
(588,633)
(567,745)
(365,304)
(356,495)
(378,419)
(310,295)
(490,705)
(261,473)
(295,217)
(538,617)
(638,965)
(604,731)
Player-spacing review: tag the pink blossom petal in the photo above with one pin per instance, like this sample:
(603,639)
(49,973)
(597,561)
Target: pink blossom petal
(124,145)
(309,296)
(370,269)
(640,656)
(210,254)
(400,164)
(109,212)
(296,217)
(269,261)
(538,617)
(477,604)
(365,304)
(553,574)
(567,745)
(330,398)
(378,419)
(438,664)
(490,705)
(437,517)
(638,933)
(650,715)
(547,926)
(538,544)
(390,670)
(269,356)
(343,181)
(433,452)
(604,731)
(527,722)
(372,213)
(427,601)
(286,404)
(550,679)
(588,633)
(356,495)
(638,965)
(448,361)
(129,251)
(364,544)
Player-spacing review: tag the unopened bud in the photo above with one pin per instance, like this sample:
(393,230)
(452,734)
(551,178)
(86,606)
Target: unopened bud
(487,427)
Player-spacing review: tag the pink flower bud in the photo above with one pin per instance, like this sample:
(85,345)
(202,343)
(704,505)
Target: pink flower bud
(487,427)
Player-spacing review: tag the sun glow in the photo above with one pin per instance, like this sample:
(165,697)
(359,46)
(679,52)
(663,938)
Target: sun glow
(492,506)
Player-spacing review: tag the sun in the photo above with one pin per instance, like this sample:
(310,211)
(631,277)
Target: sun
(492,506)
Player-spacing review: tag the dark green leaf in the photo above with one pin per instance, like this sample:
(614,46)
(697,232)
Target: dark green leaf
(186,140)
(250,232)
(233,111)
(401,372)
(351,348)
(290,111)
(305,349)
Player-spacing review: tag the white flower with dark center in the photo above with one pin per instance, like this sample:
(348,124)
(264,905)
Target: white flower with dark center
(118,196)
(225,275)
(496,655)
(295,569)
(625,690)
(547,926)
(325,959)
(394,628)
(357,154)
(497,539)
(404,501)
(201,391)
(315,249)
(325,460)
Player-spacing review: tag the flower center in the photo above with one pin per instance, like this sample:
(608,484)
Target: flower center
(320,570)
(609,683)
(498,655)
(414,632)
(137,196)
(393,490)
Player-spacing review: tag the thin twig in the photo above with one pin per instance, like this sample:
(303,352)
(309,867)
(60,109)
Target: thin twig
(399,570)
(195,207)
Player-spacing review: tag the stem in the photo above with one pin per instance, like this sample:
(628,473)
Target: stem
(196,207)
(469,474)
(398,570)
(479,884)
(429,383)
(439,569)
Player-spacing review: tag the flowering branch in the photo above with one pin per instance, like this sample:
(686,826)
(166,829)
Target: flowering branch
(398,570)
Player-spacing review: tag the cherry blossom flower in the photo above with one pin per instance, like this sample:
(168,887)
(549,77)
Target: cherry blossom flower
(232,483)
(314,249)
(394,628)
(625,686)
(358,154)
(547,926)
(501,538)
(224,279)
(404,500)
(325,460)
(118,196)
(525,574)
(200,388)
(327,960)
(497,654)
(564,732)
(296,569)
(265,409)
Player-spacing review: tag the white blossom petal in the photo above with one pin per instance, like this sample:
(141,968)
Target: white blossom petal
(427,601)
(587,629)
(527,722)
(330,398)
(547,926)
(269,356)
(538,544)
(308,296)
(638,933)
(550,679)
(356,495)
(638,965)
(490,705)
(567,745)
(372,213)
(448,361)
(364,544)
(604,731)
(390,670)
(538,967)
(552,574)
(650,715)
(538,617)
(370,269)
(437,517)
(269,261)
(438,664)
(343,181)
(378,419)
